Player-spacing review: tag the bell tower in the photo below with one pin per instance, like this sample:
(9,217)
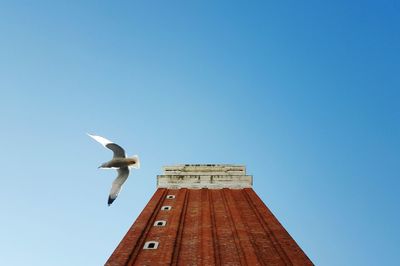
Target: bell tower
(206,214)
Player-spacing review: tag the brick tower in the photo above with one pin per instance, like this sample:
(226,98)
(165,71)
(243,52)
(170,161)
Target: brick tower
(206,214)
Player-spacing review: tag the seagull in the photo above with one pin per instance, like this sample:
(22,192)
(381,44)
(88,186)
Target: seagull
(119,162)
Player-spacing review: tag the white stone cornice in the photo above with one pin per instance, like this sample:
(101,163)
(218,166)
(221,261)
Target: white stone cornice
(198,176)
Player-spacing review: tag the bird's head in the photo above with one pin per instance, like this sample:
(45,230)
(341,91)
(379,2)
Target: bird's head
(134,162)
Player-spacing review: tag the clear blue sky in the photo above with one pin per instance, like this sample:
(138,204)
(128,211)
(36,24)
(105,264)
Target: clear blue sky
(304,93)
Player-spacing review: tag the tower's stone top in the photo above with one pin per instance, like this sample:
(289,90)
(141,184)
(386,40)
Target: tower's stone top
(204,176)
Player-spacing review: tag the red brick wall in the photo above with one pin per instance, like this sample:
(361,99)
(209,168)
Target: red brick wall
(208,227)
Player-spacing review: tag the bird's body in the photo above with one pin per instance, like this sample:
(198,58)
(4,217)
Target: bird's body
(119,162)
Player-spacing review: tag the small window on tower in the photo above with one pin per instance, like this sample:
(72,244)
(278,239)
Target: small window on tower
(171,197)
(166,208)
(160,223)
(151,245)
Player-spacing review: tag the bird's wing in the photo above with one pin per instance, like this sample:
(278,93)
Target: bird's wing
(117,184)
(118,150)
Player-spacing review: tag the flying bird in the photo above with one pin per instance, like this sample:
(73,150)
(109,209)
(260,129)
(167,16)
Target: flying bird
(119,162)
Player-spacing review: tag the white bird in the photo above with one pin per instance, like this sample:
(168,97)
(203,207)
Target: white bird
(119,162)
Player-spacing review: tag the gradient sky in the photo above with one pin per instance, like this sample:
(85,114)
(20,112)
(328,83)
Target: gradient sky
(304,93)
